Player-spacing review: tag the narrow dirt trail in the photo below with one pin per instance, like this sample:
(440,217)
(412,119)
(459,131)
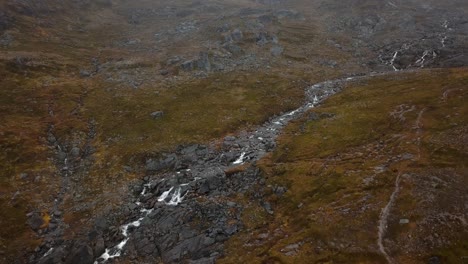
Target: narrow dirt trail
(383,221)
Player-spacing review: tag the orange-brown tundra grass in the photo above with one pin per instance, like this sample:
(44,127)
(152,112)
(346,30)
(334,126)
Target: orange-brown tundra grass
(340,170)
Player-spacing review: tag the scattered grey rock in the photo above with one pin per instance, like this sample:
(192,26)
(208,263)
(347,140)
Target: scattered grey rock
(75,152)
(267,207)
(237,35)
(173,60)
(407,156)
(404,221)
(279,190)
(164,72)
(276,51)
(23,176)
(6,40)
(187,65)
(203,62)
(157,114)
(17,193)
(85,74)
(128,168)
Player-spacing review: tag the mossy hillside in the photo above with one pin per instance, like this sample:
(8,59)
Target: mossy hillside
(195,111)
(340,170)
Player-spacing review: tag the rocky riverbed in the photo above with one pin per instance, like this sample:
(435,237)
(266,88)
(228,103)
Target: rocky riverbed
(184,209)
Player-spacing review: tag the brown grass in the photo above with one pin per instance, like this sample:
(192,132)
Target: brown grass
(329,208)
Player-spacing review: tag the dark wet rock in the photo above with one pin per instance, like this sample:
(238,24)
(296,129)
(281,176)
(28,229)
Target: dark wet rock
(455,61)
(101,223)
(188,246)
(81,254)
(36,221)
(157,114)
(434,260)
(204,188)
(51,139)
(228,157)
(213,180)
(145,247)
(99,246)
(189,150)
(208,260)
(55,256)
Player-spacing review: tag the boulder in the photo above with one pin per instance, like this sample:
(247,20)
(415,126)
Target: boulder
(81,254)
(188,65)
(164,72)
(36,221)
(100,246)
(237,35)
(85,74)
(203,62)
(233,49)
(276,51)
(157,114)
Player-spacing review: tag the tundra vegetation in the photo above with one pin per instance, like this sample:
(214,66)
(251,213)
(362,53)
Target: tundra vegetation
(101,99)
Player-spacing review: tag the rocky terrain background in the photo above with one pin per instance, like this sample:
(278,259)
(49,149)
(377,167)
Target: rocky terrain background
(158,118)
